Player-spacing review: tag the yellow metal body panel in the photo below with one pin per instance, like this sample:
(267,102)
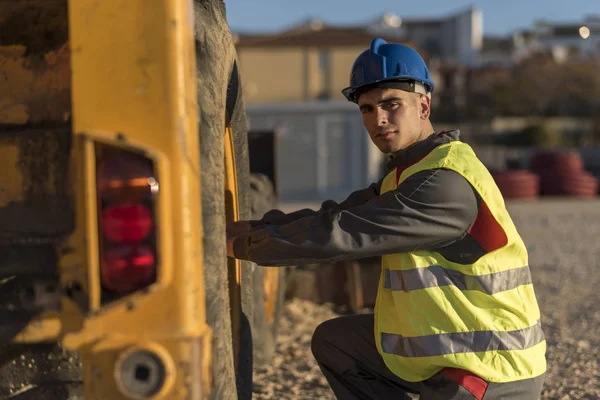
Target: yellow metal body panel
(125,77)
(134,85)
(271,284)
(234,265)
(47,327)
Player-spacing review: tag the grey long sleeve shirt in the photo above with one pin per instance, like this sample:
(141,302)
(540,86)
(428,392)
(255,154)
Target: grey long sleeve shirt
(431,210)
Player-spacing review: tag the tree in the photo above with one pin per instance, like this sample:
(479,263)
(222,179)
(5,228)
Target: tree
(537,87)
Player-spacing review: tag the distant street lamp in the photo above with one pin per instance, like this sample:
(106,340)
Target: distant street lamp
(584,32)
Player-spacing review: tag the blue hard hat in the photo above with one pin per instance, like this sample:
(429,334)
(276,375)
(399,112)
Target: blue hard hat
(384,62)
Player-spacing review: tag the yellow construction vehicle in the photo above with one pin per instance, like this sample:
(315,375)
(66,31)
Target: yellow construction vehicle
(123,153)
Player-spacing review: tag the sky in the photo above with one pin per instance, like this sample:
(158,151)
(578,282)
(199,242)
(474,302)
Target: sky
(499,17)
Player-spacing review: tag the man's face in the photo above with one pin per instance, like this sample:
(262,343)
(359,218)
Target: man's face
(393,117)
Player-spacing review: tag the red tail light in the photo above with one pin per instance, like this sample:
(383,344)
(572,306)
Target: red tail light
(126,223)
(127,190)
(127,268)
(126,177)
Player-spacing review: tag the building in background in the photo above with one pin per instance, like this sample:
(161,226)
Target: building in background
(497,52)
(308,62)
(454,39)
(557,40)
(562,40)
(312,60)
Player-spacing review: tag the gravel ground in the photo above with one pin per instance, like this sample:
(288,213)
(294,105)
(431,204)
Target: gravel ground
(562,237)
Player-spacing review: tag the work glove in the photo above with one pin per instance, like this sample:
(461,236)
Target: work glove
(237,228)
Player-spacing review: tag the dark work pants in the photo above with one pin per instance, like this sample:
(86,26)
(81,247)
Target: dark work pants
(345,350)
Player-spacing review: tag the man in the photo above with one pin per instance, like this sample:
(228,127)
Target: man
(456,315)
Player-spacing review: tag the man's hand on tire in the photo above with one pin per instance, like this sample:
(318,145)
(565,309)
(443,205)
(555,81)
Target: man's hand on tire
(237,228)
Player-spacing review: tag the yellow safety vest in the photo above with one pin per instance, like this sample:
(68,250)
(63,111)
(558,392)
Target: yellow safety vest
(431,313)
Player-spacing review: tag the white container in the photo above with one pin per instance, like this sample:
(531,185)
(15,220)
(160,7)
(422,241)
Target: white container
(323,150)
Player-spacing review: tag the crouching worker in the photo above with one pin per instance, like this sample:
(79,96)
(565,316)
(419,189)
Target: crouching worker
(456,315)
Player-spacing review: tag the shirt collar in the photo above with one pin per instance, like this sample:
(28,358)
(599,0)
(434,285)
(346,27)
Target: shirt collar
(418,150)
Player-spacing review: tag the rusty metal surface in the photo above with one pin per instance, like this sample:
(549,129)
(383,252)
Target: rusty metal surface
(35,106)
(36,200)
(39,24)
(34,62)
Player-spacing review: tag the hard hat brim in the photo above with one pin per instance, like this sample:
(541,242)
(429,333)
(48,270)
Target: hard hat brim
(350,92)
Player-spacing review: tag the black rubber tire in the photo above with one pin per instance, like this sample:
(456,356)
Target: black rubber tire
(263,199)
(220,96)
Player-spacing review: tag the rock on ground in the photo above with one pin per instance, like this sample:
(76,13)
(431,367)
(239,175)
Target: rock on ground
(564,250)
(294,373)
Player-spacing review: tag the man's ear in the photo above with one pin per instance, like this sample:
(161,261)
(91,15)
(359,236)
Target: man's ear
(424,106)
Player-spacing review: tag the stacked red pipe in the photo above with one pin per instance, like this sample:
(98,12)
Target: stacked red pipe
(517,184)
(563,174)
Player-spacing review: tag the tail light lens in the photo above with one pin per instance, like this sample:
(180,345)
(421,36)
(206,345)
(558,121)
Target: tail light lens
(127,223)
(127,268)
(127,189)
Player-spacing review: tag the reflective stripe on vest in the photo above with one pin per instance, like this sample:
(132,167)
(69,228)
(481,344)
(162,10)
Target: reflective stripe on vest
(462,342)
(436,275)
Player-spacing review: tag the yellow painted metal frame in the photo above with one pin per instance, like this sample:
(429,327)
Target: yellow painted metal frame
(134,85)
(271,282)
(234,265)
